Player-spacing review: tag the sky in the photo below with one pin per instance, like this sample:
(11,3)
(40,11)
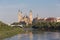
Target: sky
(44,8)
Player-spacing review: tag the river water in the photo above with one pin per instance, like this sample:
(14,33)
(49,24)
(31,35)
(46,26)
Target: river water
(36,35)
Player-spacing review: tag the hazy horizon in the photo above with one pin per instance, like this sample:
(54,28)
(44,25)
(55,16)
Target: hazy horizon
(44,8)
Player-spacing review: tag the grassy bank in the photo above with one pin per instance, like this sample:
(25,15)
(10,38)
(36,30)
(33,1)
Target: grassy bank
(8,31)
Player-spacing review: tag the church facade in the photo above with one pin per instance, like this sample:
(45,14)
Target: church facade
(26,19)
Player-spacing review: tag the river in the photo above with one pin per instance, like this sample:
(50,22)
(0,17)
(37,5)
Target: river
(36,35)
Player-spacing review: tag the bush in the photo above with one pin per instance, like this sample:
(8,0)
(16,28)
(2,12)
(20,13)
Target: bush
(47,26)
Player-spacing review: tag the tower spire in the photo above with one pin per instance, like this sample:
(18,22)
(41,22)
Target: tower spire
(19,15)
(20,11)
(37,14)
(30,16)
(30,10)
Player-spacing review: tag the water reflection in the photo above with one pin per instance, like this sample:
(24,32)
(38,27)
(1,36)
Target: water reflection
(29,35)
(53,35)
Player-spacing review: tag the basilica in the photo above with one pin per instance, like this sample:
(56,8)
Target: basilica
(25,19)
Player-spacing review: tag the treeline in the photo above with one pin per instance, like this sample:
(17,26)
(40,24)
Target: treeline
(47,26)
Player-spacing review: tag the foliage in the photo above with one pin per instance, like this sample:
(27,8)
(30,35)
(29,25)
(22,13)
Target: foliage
(47,26)
(7,31)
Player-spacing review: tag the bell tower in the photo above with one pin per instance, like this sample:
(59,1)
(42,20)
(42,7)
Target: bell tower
(19,16)
(30,17)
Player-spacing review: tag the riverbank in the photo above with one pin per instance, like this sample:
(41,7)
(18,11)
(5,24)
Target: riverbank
(47,26)
(8,31)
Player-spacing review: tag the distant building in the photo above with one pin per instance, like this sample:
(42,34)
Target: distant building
(51,19)
(19,16)
(37,19)
(58,19)
(26,19)
(30,17)
(41,20)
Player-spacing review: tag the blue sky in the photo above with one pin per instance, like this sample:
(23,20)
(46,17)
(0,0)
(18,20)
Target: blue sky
(44,8)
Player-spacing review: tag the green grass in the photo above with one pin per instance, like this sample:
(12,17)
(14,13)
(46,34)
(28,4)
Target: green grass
(8,31)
